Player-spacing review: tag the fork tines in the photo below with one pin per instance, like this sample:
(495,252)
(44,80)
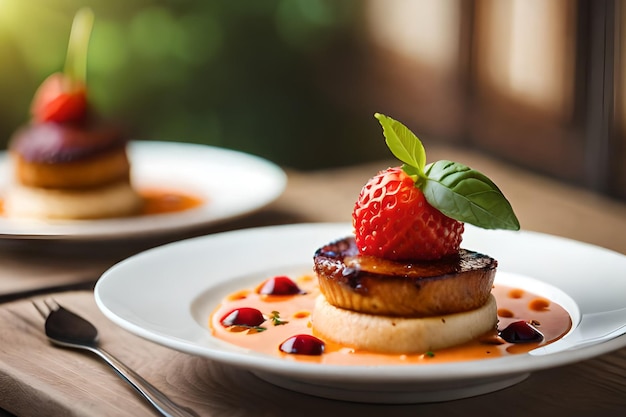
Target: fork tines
(50,306)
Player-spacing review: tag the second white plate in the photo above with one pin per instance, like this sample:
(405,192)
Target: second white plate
(233,183)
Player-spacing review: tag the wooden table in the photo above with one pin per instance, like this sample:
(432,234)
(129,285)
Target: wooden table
(37,379)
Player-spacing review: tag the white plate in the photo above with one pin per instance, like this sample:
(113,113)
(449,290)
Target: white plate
(166,295)
(234,184)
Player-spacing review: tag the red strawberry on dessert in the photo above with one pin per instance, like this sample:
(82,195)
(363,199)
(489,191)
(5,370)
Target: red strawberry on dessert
(59,99)
(417,211)
(62,97)
(393,220)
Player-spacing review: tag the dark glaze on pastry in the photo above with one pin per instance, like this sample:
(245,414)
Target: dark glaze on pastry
(54,143)
(410,289)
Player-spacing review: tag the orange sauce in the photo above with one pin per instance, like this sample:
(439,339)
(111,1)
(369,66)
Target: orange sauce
(159,201)
(514,304)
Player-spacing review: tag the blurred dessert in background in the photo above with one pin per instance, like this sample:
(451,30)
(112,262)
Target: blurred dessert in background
(69,163)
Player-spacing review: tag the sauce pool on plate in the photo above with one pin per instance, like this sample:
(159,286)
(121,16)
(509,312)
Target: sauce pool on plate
(274,319)
(159,201)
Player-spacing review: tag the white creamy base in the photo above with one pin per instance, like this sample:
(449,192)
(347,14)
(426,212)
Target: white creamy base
(401,335)
(114,200)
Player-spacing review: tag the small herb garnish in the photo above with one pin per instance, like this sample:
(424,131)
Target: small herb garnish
(456,190)
(245,328)
(429,354)
(276,320)
(257,329)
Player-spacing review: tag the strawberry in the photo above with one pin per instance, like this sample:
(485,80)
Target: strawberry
(59,99)
(62,97)
(393,220)
(417,211)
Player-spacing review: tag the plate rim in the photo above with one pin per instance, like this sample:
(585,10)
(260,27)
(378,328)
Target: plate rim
(116,228)
(498,367)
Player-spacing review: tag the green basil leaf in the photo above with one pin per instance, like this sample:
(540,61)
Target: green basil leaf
(402,142)
(467,195)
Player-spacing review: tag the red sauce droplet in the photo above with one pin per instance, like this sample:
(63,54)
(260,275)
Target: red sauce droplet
(539,304)
(301,314)
(244,316)
(505,312)
(516,293)
(239,295)
(303,344)
(521,332)
(279,285)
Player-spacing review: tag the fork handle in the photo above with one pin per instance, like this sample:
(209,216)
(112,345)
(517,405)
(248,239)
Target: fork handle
(155,397)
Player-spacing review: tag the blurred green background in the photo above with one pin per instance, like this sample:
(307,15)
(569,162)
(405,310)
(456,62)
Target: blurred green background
(298,81)
(256,76)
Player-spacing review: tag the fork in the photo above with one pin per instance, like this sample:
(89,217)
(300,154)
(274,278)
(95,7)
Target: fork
(67,329)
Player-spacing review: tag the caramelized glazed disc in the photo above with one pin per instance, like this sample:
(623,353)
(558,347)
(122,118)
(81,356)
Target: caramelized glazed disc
(418,289)
(53,143)
(70,156)
(99,170)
